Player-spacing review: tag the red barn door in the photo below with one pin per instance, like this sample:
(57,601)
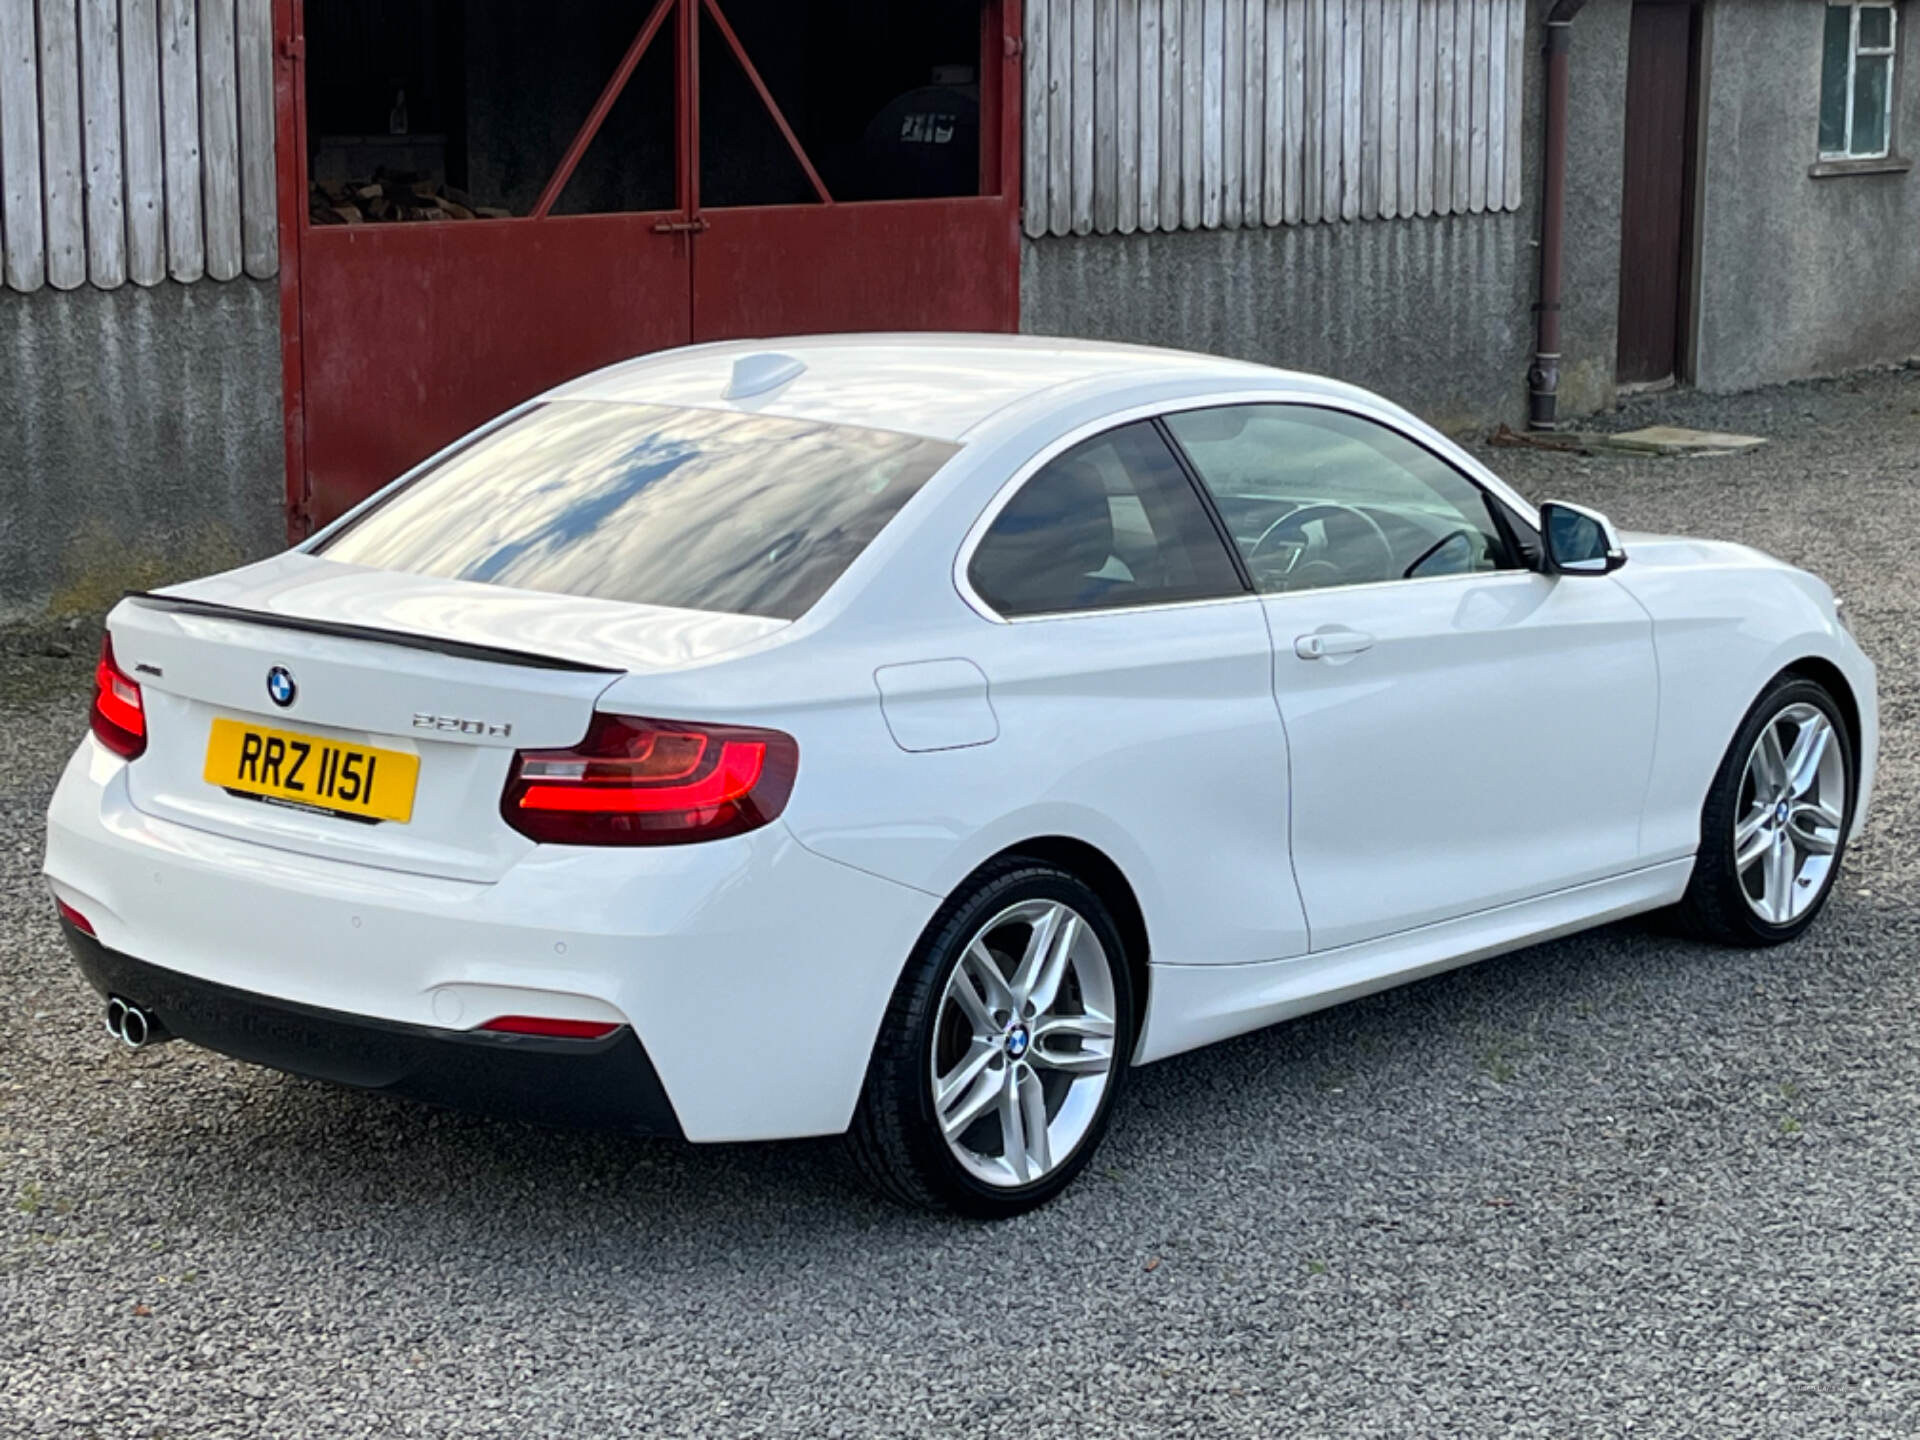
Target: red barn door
(400,337)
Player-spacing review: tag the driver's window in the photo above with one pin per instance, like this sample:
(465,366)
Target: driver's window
(1316,498)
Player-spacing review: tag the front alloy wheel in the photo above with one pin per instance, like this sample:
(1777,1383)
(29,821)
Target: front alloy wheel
(1003,1049)
(1774,826)
(1793,801)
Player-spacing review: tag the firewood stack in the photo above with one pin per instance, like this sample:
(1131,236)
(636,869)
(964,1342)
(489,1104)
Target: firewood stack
(388,199)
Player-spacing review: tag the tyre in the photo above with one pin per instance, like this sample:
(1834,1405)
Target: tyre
(1774,826)
(1003,1049)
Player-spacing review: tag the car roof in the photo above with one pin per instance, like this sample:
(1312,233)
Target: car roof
(937,385)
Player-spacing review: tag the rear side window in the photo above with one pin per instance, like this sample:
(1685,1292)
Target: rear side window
(696,509)
(1112,522)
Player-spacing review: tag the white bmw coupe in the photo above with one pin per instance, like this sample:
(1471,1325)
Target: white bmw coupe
(906,735)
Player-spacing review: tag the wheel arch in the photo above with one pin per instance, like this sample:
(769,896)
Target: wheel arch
(1716,906)
(1098,870)
(1829,677)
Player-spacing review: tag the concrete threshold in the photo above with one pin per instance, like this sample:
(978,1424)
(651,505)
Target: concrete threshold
(1672,440)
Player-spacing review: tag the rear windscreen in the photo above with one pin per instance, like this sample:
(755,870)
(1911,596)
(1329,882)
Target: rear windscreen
(697,509)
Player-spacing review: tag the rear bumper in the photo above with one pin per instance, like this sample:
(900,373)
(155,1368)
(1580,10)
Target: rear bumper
(751,972)
(604,1084)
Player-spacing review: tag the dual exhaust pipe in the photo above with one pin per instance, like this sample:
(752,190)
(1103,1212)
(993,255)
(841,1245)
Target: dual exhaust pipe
(132,1026)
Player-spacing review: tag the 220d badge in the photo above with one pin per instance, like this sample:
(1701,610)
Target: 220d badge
(454,725)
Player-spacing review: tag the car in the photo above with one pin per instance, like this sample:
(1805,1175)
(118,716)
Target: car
(905,736)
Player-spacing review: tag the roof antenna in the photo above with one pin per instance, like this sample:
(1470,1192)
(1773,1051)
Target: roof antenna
(757,374)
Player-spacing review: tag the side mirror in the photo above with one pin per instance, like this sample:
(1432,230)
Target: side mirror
(1578,541)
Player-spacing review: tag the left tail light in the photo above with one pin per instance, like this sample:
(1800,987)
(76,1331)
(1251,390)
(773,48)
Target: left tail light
(119,718)
(651,782)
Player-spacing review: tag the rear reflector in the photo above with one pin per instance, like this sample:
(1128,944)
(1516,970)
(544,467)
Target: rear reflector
(651,782)
(73,917)
(552,1029)
(119,719)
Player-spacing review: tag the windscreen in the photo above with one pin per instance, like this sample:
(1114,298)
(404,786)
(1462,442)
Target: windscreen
(697,509)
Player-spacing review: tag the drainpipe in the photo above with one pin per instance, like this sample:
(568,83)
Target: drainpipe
(1543,379)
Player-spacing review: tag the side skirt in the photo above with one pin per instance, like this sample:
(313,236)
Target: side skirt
(1195,1005)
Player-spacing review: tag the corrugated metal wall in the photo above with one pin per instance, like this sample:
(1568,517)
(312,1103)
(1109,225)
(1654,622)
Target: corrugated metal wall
(136,141)
(1200,114)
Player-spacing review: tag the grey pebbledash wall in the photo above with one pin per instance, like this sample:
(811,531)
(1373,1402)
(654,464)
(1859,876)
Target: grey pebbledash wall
(140,439)
(1801,275)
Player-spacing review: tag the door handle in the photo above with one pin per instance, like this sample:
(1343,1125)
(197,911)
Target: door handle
(682,227)
(1323,643)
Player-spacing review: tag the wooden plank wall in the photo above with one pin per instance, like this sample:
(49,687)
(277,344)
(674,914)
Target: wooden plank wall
(136,142)
(1205,114)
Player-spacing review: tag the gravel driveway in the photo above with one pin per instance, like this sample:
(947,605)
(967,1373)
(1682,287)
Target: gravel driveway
(1616,1184)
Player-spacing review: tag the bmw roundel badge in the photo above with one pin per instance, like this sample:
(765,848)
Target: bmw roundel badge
(280,686)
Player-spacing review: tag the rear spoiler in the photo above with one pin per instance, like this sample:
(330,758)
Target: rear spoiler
(465,650)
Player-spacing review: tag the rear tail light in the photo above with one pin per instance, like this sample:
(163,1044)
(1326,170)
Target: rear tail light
(119,719)
(651,782)
(551,1029)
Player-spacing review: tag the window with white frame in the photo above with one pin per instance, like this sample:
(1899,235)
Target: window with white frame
(1856,82)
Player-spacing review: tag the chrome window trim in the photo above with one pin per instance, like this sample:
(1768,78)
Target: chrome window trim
(1482,576)
(1472,471)
(1244,598)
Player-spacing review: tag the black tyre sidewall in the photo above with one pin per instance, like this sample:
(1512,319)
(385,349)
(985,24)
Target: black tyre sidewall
(933,963)
(1716,893)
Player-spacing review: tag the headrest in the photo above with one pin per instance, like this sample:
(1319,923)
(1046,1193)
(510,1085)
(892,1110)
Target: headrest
(1055,533)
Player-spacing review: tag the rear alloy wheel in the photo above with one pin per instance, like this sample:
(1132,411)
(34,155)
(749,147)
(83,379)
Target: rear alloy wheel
(1775,823)
(1023,1043)
(1003,1048)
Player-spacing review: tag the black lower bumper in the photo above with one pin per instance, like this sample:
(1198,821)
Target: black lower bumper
(603,1084)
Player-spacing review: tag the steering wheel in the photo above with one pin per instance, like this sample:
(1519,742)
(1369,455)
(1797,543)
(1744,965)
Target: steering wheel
(1342,524)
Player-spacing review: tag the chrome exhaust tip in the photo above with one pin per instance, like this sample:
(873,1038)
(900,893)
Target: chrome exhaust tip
(131,1025)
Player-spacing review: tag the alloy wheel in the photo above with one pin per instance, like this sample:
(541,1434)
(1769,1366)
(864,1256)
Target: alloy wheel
(1024,1043)
(1792,806)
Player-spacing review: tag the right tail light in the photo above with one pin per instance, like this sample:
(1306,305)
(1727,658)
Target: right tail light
(651,782)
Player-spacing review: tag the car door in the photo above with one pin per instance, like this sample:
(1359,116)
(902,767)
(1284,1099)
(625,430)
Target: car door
(1465,731)
(1132,683)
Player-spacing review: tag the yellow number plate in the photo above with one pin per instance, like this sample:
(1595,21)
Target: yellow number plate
(305,770)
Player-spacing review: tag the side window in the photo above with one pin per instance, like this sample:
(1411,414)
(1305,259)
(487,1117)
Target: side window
(1317,498)
(1112,522)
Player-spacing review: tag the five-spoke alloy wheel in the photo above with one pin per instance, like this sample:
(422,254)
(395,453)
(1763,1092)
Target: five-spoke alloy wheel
(1003,1049)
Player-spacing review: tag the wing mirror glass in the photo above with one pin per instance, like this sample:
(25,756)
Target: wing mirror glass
(1578,541)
